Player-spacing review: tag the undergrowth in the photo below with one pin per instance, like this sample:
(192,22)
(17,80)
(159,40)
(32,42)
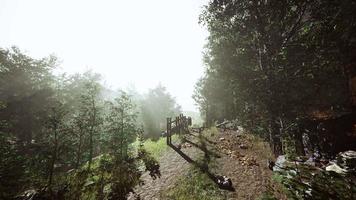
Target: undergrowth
(155,148)
(212,131)
(195,185)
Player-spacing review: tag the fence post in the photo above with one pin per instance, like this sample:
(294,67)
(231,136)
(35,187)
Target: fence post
(177,125)
(168,130)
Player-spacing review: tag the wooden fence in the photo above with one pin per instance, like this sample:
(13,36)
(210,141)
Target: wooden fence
(178,126)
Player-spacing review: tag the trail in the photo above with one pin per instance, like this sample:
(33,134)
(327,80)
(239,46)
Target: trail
(172,166)
(244,160)
(239,156)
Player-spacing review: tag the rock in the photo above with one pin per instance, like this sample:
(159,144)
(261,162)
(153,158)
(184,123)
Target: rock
(222,139)
(164,134)
(242,146)
(30,193)
(252,162)
(279,164)
(222,125)
(224,182)
(310,162)
(88,183)
(347,160)
(335,168)
(316,155)
(231,125)
(270,164)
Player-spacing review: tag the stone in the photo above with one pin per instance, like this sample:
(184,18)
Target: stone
(243,146)
(279,164)
(347,160)
(335,168)
(224,182)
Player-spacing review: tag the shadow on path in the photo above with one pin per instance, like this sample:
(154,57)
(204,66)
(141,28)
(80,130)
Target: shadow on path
(202,166)
(204,148)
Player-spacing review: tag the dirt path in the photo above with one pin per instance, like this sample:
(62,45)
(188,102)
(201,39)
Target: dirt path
(241,157)
(172,166)
(244,160)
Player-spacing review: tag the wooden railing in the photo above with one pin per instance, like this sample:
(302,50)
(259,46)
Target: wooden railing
(178,126)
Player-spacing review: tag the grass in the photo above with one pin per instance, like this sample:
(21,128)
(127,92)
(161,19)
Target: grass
(212,131)
(267,196)
(196,185)
(155,148)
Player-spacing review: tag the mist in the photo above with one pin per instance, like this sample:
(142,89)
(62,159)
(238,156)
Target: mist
(136,43)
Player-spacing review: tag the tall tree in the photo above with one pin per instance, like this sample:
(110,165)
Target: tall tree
(56,131)
(121,125)
(156,106)
(274,60)
(90,105)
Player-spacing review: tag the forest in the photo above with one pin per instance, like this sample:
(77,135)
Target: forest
(281,66)
(54,123)
(287,71)
(279,83)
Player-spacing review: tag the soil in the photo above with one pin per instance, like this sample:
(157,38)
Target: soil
(172,166)
(244,161)
(237,155)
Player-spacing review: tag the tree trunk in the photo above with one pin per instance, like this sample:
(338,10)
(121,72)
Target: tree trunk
(275,138)
(53,160)
(91,133)
(79,151)
(90,148)
(122,136)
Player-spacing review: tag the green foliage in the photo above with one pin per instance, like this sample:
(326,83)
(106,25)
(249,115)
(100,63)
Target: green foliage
(269,62)
(289,147)
(12,172)
(157,148)
(212,131)
(107,179)
(121,125)
(26,98)
(156,106)
(125,176)
(53,128)
(267,196)
(195,185)
(25,85)
(310,183)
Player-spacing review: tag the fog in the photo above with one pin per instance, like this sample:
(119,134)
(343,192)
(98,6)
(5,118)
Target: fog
(131,43)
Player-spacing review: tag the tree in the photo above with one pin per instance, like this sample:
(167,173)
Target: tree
(121,125)
(156,106)
(122,128)
(82,94)
(25,85)
(56,130)
(50,124)
(90,111)
(26,96)
(275,62)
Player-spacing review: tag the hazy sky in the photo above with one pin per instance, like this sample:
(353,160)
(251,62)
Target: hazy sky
(139,42)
